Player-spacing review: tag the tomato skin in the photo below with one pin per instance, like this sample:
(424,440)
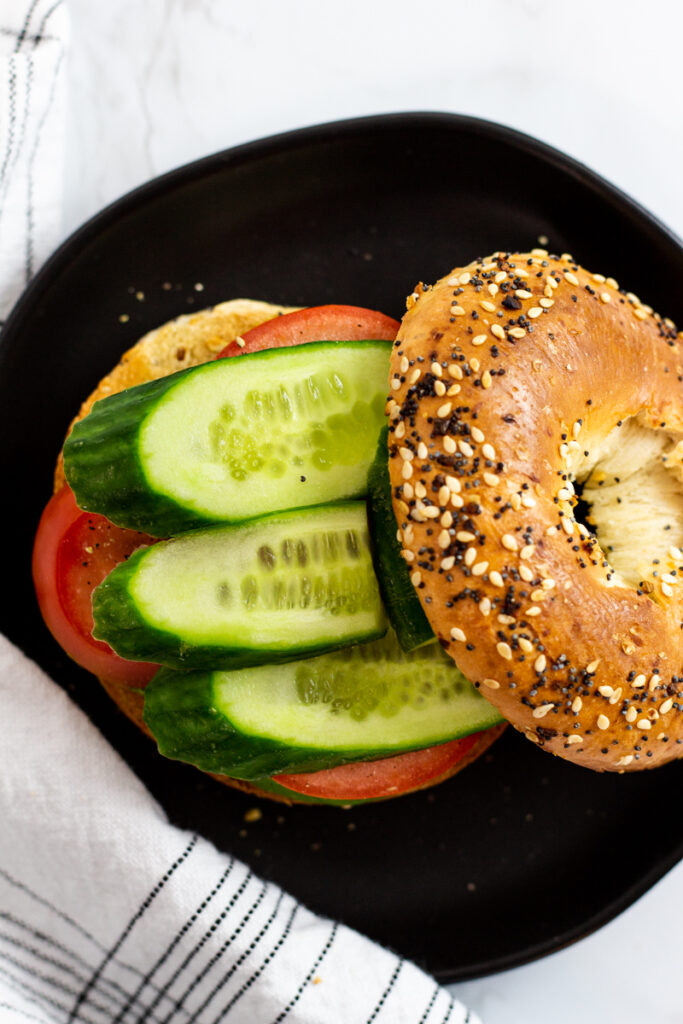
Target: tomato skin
(391,776)
(318,323)
(69,541)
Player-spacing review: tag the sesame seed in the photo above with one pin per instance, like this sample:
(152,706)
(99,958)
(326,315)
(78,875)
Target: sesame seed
(448,563)
(676,554)
(496,578)
(516,501)
(574,738)
(407,490)
(623,761)
(415,376)
(444,410)
(408,555)
(564,451)
(488,306)
(498,332)
(452,483)
(449,444)
(444,495)
(546,302)
(456,501)
(457,311)
(477,435)
(548,584)
(567,524)
(528,501)
(563,494)
(504,650)
(640,313)
(455,371)
(572,278)
(543,710)
(492,684)
(444,539)
(534,312)
(506,620)
(436,369)
(454,389)
(538,595)
(526,645)
(485,606)
(474,364)
(666,706)
(400,429)
(531,612)
(492,289)
(599,278)
(631,715)
(457,634)
(488,451)
(509,542)
(422,450)
(603,722)
(395,384)
(527,551)
(540,663)
(479,339)
(486,380)
(470,556)
(593,665)
(612,283)
(406,471)
(654,682)
(606,691)
(439,387)
(644,724)
(491,479)
(464,278)
(605,297)
(404,365)
(466,449)
(517,332)
(480,568)
(522,293)
(667,590)
(526,573)
(616,696)
(431,512)
(577,704)
(406,454)
(464,536)
(639,682)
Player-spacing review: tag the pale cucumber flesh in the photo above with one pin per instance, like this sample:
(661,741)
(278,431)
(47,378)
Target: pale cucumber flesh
(280,429)
(285,584)
(360,703)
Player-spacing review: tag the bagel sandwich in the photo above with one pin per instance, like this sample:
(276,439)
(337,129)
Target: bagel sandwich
(188,341)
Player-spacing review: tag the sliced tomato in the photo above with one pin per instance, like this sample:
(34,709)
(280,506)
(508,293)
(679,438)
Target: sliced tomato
(72,553)
(367,780)
(319,323)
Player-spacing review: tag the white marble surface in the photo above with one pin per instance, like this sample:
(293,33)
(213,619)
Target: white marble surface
(155,84)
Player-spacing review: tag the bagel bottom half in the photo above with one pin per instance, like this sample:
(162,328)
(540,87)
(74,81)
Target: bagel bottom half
(183,342)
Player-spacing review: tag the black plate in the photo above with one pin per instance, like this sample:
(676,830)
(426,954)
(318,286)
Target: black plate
(522,853)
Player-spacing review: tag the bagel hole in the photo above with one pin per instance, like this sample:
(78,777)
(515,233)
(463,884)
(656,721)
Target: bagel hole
(630,497)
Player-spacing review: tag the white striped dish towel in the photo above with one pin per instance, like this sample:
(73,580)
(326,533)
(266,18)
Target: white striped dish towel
(108,914)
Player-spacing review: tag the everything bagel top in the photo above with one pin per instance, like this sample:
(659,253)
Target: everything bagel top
(515,381)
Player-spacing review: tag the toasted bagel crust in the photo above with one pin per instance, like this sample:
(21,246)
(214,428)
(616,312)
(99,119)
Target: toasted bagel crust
(504,375)
(188,341)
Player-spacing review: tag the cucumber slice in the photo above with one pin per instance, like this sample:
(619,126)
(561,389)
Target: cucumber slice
(234,438)
(276,588)
(398,593)
(359,703)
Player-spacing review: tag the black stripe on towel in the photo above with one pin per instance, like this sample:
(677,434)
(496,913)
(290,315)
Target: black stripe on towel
(257,974)
(321,956)
(134,997)
(84,994)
